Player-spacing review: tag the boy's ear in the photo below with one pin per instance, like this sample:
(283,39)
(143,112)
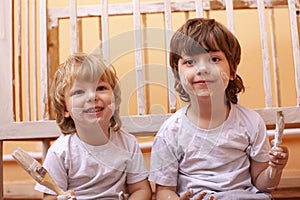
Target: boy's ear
(66,113)
(232,76)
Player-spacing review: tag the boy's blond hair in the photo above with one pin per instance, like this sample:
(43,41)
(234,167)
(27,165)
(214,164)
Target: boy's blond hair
(87,67)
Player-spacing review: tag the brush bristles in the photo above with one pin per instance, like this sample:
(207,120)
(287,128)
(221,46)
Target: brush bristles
(33,167)
(36,170)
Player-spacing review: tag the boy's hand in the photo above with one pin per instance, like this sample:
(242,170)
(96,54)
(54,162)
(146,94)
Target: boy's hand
(68,195)
(278,158)
(187,196)
(123,196)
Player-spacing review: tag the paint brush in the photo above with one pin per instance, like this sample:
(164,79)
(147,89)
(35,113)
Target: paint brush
(277,138)
(36,170)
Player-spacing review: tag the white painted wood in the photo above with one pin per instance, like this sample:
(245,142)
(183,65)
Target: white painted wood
(136,124)
(33,61)
(265,53)
(73,26)
(199,8)
(105,32)
(168,35)
(274,57)
(151,7)
(26,87)
(295,45)
(18,66)
(29,130)
(229,15)
(138,57)
(6,108)
(43,60)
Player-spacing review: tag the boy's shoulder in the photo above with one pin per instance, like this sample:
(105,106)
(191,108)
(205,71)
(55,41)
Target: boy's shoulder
(243,110)
(246,115)
(173,123)
(63,138)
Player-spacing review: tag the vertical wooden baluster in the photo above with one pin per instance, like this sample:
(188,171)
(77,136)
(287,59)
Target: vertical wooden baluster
(138,56)
(295,45)
(26,76)
(168,35)
(265,53)
(105,32)
(6,65)
(43,60)
(229,15)
(73,26)
(18,68)
(33,61)
(274,57)
(199,8)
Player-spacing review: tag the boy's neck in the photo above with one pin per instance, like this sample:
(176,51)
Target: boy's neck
(93,134)
(208,112)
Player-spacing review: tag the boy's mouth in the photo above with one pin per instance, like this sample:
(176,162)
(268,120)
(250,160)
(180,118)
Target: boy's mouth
(93,110)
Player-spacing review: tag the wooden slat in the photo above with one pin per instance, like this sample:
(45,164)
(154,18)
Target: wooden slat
(73,26)
(291,115)
(18,67)
(168,35)
(26,77)
(29,130)
(136,124)
(265,53)
(105,31)
(154,7)
(295,45)
(229,15)
(6,108)
(274,57)
(138,57)
(33,76)
(199,8)
(44,112)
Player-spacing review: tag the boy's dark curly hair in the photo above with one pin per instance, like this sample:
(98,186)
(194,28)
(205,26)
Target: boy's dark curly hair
(201,35)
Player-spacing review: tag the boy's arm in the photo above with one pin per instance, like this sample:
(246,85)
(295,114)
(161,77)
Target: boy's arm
(169,192)
(260,172)
(70,195)
(140,190)
(49,197)
(166,192)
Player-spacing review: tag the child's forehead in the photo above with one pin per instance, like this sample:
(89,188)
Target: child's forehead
(200,53)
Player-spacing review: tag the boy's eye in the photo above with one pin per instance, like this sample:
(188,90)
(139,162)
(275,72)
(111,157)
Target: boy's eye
(76,92)
(101,88)
(214,59)
(189,62)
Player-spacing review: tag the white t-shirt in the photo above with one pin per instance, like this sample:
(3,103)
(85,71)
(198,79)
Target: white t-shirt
(214,160)
(95,172)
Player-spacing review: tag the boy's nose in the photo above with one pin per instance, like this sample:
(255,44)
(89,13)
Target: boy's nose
(92,96)
(202,69)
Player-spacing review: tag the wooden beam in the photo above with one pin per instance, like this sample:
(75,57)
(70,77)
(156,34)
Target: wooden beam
(154,7)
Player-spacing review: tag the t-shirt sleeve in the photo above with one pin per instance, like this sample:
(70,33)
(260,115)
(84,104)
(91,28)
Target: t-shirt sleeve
(136,167)
(164,163)
(55,167)
(260,146)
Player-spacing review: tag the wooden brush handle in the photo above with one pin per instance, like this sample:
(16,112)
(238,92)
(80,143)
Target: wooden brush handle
(49,183)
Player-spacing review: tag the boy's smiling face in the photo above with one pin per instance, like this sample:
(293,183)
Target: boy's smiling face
(91,102)
(204,74)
